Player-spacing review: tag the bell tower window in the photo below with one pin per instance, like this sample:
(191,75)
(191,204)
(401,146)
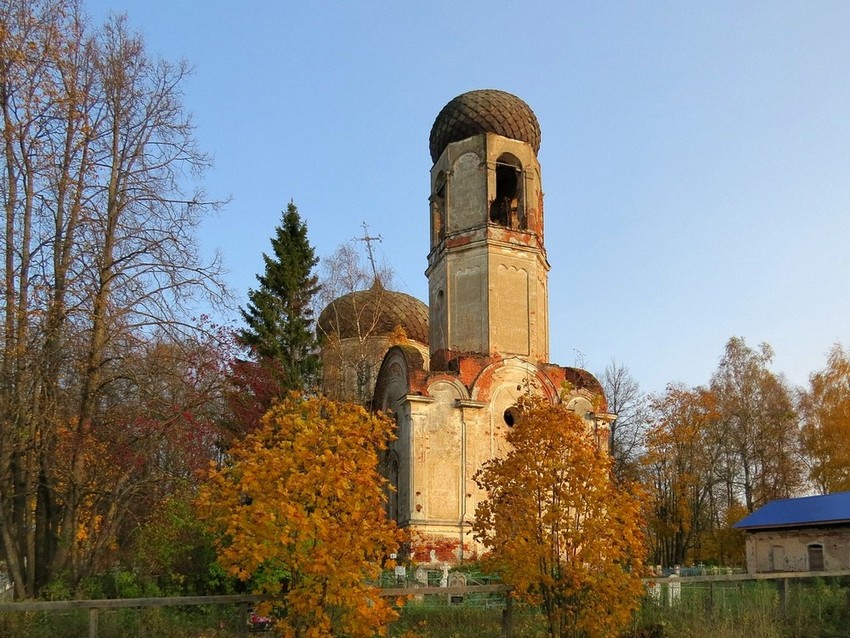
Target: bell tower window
(438,209)
(507,208)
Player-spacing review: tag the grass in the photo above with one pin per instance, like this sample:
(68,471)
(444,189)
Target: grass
(815,609)
(427,620)
(161,622)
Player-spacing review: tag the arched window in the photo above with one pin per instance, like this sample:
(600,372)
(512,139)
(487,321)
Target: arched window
(507,208)
(438,208)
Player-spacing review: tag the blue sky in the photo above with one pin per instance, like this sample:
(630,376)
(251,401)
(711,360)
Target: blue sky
(695,155)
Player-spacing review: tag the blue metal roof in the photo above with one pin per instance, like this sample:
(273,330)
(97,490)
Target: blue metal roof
(800,512)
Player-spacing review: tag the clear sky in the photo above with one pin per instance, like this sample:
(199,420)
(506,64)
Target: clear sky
(695,155)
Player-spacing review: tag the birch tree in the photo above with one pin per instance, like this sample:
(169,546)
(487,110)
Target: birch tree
(760,425)
(99,254)
(628,431)
(826,423)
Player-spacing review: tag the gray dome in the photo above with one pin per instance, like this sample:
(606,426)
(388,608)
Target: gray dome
(484,111)
(375,312)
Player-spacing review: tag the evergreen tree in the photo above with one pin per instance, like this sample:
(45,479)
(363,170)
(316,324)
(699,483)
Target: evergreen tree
(279,314)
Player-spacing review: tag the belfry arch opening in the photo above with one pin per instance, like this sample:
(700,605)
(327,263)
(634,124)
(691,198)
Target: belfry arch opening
(438,209)
(507,207)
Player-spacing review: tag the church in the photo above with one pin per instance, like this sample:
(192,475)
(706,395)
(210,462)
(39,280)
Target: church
(451,372)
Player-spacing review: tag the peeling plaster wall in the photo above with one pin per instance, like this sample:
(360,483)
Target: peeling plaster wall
(468,319)
(510,298)
(787,550)
(468,204)
(487,280)
(438,311)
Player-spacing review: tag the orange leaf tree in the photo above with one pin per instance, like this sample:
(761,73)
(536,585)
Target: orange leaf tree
(681,463)
(558,528)
(299,511)
(826,423)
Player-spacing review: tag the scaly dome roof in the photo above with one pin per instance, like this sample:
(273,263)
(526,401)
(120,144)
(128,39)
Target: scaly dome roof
(375,312)
(484,111)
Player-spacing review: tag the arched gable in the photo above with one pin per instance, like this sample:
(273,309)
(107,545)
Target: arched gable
(402,372)
(447,384)
(523,375)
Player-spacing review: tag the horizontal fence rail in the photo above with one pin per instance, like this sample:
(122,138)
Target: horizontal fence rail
(668,589)
(244,601)
(723,578)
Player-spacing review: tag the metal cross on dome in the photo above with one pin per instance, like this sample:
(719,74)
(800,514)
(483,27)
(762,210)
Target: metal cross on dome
(366,238)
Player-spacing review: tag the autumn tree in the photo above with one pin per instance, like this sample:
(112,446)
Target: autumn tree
(760,425)
(279,315)
(99,254)
(628,430)
(253,387)
(299,512)
(713,454)
(557,526)
(826,423)
(680,466)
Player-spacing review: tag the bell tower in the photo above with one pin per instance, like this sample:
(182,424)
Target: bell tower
(487,267)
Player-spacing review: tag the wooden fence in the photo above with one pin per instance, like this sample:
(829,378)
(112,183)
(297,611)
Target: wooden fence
(781,579)
(244,603)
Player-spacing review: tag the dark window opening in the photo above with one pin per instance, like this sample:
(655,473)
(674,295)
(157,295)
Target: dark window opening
(510,417)
(507,209)
(392,496)
(438,210)
(816,558)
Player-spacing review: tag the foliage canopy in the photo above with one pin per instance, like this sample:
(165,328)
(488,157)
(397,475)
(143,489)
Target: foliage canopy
(558,527)
(826,423)
(299,511)
(103,372)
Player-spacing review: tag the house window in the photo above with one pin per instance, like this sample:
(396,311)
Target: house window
(816,557)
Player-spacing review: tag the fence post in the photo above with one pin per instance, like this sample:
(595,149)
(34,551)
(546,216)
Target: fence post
(710,597)
(782,585)
(242,619)
(674,590)
(508,617)
(93,622)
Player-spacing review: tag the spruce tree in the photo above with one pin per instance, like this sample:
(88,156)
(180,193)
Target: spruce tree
(279,314)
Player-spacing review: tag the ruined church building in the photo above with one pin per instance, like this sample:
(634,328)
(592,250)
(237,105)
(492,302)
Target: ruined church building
(454,372)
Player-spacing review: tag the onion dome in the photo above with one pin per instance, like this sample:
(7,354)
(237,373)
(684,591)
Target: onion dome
(375,312)
(484,111)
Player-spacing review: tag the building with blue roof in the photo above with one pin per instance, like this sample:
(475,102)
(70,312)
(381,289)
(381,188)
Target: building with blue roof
(799,534)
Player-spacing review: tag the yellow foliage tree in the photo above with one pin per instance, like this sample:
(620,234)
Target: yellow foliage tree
(826,423)
(299,510)
(683,451)
(558,528)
